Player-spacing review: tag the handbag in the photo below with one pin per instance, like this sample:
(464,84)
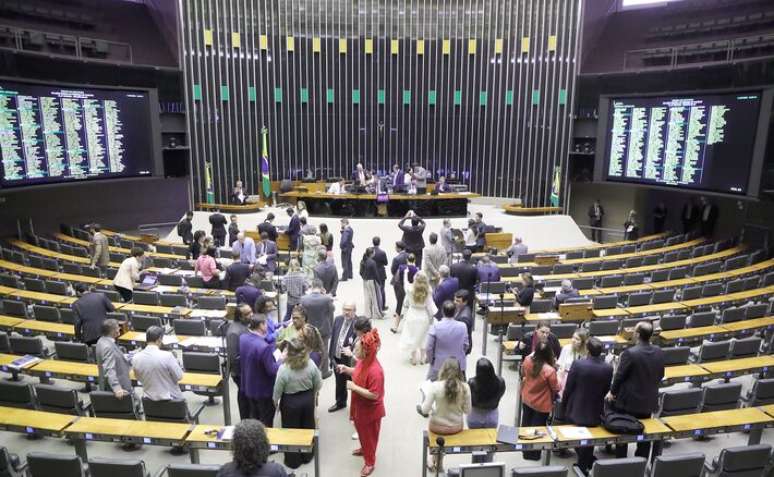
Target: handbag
(620,423)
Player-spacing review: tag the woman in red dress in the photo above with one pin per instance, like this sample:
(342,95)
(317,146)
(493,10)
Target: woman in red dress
(367,408)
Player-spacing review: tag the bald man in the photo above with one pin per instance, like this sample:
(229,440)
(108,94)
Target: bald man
(340,351)
(245,248)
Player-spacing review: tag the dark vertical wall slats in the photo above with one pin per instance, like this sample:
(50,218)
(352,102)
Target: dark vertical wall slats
(507,150)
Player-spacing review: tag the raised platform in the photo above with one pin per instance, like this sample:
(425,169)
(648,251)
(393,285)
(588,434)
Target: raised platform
(230,208)
(394,205)
(517,209)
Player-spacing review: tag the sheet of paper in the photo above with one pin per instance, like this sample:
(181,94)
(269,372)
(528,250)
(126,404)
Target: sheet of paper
(575,433)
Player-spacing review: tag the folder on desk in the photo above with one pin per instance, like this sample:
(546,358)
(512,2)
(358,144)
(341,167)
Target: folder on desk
(226,433)
(508,434)
(24,362)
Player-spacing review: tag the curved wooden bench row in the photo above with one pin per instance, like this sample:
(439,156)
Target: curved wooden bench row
(518,209)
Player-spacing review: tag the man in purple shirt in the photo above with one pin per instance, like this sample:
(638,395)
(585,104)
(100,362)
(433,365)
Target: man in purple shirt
(488,271)
(258,370)
(447,338)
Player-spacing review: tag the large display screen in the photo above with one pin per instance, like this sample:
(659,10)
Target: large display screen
(54,133)
(703,141)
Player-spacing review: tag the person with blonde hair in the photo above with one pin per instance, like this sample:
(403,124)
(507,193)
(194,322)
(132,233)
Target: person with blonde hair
(418,312)
(295,394)
(447,402)
(310,336)
(574,350)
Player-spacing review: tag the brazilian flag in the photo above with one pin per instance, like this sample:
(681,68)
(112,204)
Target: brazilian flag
(265,182)
(556,187)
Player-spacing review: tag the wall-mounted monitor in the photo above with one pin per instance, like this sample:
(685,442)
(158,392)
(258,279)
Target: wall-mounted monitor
(54,133)
(708,141)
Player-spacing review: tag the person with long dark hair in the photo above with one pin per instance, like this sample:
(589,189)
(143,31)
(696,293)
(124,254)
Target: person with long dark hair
(250,448)
(486,390)
(295,394)
(367,386)
(539,388)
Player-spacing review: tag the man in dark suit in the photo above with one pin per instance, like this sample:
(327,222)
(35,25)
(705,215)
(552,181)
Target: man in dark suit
(326,272)
(636,383)
(346,246)
(218,222)
(90,311)
(397,280)
(380,257)
(412,235)
(294,228)
(266,253)
(542,334)
(398,181)
(465,315)
(445,290)
(185,228)
(584,395)
(340,351)
(596,214)
(480,231)
(236,273)
(268,227)
(466,273)
(690,215)
(319,310)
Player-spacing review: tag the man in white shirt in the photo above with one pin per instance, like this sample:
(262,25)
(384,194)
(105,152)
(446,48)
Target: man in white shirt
(128,273)
(337,188)
(518,248)
(245,247)
(157,370)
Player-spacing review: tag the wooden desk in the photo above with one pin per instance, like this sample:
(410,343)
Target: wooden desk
(744,419)
(51,254)
(610,313)
(34,422)
(624,289)
(768,409)
(229,208)
(655,309)
(733,367)
(70,370)
(137,338)
(749,325)
(50,330)
(692,334)
(152,309)
(594,245)
(125,430)
(71,277)
(517,209)
(39,297)
(547,316)
(730,297)
(83,243)
(8,322)
(204,436)
(683,373)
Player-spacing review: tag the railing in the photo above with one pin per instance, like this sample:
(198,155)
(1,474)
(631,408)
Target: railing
(606,234)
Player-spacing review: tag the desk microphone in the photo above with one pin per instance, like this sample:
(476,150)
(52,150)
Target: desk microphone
(441,442)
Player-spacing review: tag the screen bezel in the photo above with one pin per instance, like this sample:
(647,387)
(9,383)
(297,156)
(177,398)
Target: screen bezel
(154,148)
(759,146)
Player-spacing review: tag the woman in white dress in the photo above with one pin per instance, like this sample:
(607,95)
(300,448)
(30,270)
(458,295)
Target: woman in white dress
(418,311)
(311,244)
(575,349)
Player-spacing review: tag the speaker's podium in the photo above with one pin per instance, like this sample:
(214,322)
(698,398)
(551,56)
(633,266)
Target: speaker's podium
(581,311)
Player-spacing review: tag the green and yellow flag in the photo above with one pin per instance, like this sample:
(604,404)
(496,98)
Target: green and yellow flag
(208,183)
(265,182)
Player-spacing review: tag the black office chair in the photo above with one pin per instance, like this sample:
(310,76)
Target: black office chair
(170,280)
(733,314)
(143,322)
(145,298)
(102,467)
(17,394)
(745,347)
(29,345)
(42,464)
(67,315)
(634,279)
(741,461)
(701,319)
(757,310)
(71,351)
(211,302)
(46,313)
(192,470)
(15,308)
(713,351)
(680,401)
(54,398)
(603,327)
(639,299)
(663,296)
(721,397)
(564,330)
(684,465)
(604,301)
(189,327)
(106,404)
(630,467)
(56,287)
(34,285)
(761,394)
(9,281)
(204,363)
(676,356)
(10,464)
(170,411)
(659,276)
(5,343)
(541,306)
(172,300)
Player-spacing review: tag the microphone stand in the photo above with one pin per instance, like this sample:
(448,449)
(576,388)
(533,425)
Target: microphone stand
(441,442)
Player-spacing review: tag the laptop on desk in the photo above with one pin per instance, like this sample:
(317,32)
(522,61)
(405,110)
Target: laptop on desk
(149,282)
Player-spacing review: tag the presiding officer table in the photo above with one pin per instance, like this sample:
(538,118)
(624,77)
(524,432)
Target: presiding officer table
(450,204)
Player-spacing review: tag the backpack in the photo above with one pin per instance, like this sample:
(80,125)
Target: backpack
(619,423)
(181,228)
